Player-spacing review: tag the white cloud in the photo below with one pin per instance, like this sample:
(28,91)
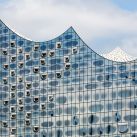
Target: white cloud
(44,19)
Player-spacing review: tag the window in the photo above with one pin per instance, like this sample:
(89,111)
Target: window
(13,58)
(5,80)
(27,56)
(20,50)
(4,52)
(123,127)
(20,101)
(12,73)
(28,85)
(42,61)
(58,45)
(36,47)
(20,79)
(20,64)
(13,87)
(12,109)
(4,124)
(13,131)
(28,115)
(67,66)
(74,50)
(50,98)
(36,69)
(12,44)
(27,122)
(13,116)
(5,66)
(20,108)
(43,54)
(5,102)
(66,59)
(58,74)
(36,99)
(43,107)
(51,53)
(27,93)
(12,94)
(43,76)
(35,129)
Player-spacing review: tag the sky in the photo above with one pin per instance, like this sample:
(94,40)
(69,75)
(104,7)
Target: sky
(102,24)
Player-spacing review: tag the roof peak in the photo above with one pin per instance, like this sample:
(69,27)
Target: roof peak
(118,55)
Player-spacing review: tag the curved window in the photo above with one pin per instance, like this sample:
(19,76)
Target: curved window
(35,107)
(53,83)
(71,110)
(67,73)
(47,124)
(24,71)
(69,133)
(69,36)
(117,117)
(98,63)
(28,49)
(20,43)
(74,66)
(59,123)
(58,111)
(55,61)
(35,54)
(91,86)
(107,84)
(124,75)
(134,127)
(111,69)
(93,119)
(106,119)
(132,104)
(51,105)
(3,95)
(122,68)
(118,105)
(27,100)
(61,99)
(134,135)
(51,46)
(123,127)
(43,47)
(59,133)
(82,132)
(13,36)
(109,106)
(96,108)
(130,117)
(100,130)
(100,78)
(66,122)
(125,93)
(55,67)
(75,120)
(91,131)
(110,129)
(71,43)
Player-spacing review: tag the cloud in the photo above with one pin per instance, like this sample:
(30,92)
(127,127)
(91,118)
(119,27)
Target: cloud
(44,19)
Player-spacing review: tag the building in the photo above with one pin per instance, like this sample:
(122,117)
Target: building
(62,88)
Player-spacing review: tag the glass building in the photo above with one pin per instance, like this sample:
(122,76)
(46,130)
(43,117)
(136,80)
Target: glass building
(62,88)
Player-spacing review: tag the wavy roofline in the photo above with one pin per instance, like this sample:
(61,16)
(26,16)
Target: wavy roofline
(100,55)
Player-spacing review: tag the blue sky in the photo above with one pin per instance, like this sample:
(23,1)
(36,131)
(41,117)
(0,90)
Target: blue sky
(130,5)
(102,24)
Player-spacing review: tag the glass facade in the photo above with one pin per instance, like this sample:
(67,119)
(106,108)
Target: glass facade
(62,88)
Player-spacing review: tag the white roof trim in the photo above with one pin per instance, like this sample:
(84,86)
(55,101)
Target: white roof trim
(118,55)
